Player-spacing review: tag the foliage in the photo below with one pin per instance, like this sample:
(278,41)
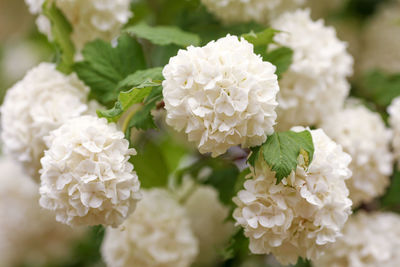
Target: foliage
(61,31)
(281,151)
(105,66)
(164,35)
(379,87)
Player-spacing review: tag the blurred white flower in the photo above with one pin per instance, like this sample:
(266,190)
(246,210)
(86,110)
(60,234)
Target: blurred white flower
(231,11)
(363,134)
(315,84)
(221,95)
(394,121)
(38,104)
(302,214)
(208,221)
(90,19)
(86,178)
(381,40)
(157,234)
(369,240)
(27,232)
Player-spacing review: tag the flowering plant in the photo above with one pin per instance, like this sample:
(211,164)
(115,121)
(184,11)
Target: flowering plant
(202,133)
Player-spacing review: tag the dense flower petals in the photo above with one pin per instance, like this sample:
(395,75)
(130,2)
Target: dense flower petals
(86,178)
(302,214)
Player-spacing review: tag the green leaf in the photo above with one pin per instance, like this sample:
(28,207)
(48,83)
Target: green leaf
(237,245)
(61,31)
(128,99)
(164,35)
(281,151)
(281,57)
(105,66)
(263,38)
(151,166)
(255,152)
(380,87)
(139,77)
(143,119)
(392,197)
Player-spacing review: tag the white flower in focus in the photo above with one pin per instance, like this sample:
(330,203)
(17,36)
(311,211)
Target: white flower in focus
(302,214)
(315,84)
(90,19)
(208,220)
(231,11)
(157,234)
(394,121)
(38,104)
(86,178)
(369,240)
(28,234)
(363,134)
(381,40)
(221,95)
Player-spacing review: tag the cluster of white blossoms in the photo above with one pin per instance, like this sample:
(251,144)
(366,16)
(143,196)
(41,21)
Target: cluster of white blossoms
(25,228)
(303,213)
(39,103)
(86,178)
(157,234)
(363,134)
(90,19)
(232,11)
(394,120)
(208,221)
(221,95)
(369,240)
(316,83)
(381,40)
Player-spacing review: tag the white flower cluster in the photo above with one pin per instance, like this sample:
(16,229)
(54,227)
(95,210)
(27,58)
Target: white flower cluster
(25,228)
(381,40)
(36,105)
(90,19)
(208,221)
(369,240)
(302,214)
(363,134)
(86,178)
(231,11)
(315,84)
(394,120)
(157,234)
(221,94)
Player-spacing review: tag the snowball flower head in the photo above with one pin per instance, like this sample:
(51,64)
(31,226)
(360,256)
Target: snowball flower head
(25,228)
(221,94)
(231,11)
(86,178)
(369,240)
(381,39)
(394,121)
(157,234)
(303,213)
(363,134)
(208,220)
(38,104)
(90,19)
(315,84)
